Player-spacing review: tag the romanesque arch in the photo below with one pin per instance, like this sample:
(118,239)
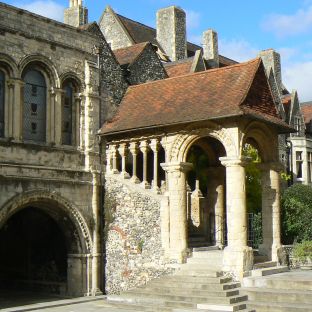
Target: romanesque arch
(181,145)
(45,200)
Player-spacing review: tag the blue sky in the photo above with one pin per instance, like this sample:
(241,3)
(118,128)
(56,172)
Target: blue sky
(244,27)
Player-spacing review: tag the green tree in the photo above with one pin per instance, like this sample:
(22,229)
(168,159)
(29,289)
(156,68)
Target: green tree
(297,214)
(253,180)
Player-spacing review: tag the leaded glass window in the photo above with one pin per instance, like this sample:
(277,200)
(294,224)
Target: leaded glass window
(34,106)
(67,114)
(2,93)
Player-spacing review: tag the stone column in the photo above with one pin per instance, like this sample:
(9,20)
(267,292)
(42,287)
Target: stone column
(271,222)
(76,121)
(155,148)
(57,112)
(134,151)
(177,202)
(114,153)
(18,109)
(215,194)
(53,120)
(123,151)
(144,147)
(237,257)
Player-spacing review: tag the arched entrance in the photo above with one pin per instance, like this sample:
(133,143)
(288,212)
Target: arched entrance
(206,194)
(35,253)
(46,244)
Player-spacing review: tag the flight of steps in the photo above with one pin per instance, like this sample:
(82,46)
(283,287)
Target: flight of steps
(285,292)
(197,286)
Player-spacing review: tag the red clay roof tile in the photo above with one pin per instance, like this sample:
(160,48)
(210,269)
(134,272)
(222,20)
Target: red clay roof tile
(223,92)
(129,54)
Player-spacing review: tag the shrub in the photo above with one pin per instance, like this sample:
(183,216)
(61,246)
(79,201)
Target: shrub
(303,251)
(297,214)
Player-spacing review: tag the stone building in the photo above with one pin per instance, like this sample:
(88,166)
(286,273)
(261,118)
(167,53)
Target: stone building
(102,125)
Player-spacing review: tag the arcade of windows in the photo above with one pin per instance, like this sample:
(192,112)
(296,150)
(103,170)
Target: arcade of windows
(35,107)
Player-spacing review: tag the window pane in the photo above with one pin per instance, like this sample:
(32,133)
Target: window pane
(2,89)
(34,106)
(67,112)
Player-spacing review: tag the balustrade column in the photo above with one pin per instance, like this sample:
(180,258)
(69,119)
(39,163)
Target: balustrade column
(155,148)
(114,153)
(238,257)
(144,147)
(134,151)
(123,151)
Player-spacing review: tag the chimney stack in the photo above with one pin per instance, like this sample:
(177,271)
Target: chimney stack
(171,32)
(272,61)
(76,15)
(210,48)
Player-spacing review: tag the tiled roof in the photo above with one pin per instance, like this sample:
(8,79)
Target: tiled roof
(306,109)
(286,101)
(175,69)
(128,55)
(229,91)
(225,61)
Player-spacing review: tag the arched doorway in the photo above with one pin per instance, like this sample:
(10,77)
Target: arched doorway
(206,194)
(47,246)
(35,253)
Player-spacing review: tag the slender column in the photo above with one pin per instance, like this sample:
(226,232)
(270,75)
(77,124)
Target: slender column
(134,151)
(57,116)
(155,148)
(123,151)
(114,153)
(108,159)
(177,202)
(216,202)
(96,252)
(53,120)
(144,147)
(238,257)
(18,109)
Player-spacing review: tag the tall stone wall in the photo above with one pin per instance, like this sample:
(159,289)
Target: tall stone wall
(134,253)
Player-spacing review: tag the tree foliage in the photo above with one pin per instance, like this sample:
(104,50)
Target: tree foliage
(253,180)
(297,214)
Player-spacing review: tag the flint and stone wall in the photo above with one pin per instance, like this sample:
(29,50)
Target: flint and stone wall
(133,247)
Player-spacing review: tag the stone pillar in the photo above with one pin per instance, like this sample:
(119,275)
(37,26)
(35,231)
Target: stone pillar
(53,120)
(271,219)
(76,15)
(177,202)
(134,151)
(18,109)
(123,151)
(237,257)
(144,147)
(76,121)
(57,112)
(215,194)
(210,48)
(155,148)
(114,153)
(108,159)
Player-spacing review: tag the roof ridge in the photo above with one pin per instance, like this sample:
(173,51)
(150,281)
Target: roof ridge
(122,16)
(200,73)
(133,46)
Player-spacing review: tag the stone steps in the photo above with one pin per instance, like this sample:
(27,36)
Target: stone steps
(285,292)
(267,264)
(269,271)
(196,286)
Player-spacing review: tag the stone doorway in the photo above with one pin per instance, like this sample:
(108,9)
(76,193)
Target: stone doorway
(206,194)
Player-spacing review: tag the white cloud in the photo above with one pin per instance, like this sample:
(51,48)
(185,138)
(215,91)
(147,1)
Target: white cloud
(299,76)
(237,49)
(192,19)
(47,8)
(289,25)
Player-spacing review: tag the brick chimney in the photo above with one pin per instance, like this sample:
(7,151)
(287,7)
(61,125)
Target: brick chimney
(210,48)
(272,61)
(171,32)
(76,15)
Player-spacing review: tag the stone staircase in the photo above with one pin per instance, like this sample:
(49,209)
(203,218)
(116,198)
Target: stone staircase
(285,292)
(198,285)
